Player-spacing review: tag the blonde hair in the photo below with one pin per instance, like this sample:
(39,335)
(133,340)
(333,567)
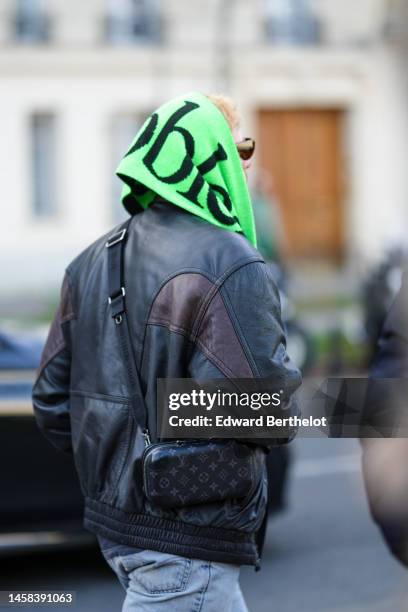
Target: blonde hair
(227,107)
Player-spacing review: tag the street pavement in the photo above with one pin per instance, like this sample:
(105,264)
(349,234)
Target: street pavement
(323,554)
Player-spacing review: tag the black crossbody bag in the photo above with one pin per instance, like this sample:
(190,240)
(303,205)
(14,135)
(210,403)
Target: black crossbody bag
(183,472)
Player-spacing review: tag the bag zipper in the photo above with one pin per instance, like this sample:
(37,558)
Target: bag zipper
(148,441)
(146,437)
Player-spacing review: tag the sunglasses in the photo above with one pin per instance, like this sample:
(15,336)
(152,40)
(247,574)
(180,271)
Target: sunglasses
(246,148)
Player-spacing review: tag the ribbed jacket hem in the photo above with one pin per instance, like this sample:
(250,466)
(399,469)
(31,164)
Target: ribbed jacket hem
(170,536)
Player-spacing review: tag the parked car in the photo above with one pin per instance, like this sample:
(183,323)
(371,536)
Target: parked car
(19,352)
(40,502)
(19,358)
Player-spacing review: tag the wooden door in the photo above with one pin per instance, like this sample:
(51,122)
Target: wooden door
(301,150)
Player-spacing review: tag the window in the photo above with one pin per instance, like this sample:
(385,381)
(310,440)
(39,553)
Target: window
(31,22)
(291,22)
(124,129)
(396,22)
(130,21)
(43,165)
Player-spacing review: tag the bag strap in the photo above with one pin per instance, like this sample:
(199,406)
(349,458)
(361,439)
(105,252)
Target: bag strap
(117,293)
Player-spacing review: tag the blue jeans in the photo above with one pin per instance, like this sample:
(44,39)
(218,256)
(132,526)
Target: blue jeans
(159,582)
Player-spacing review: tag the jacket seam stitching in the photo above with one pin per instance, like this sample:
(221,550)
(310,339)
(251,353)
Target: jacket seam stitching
(213,358)
(209,357)
(150,538)
(217,282)
(240,336)
(117,399)
(217,286)
(169,325)
(72,314)
(239,333)
(58,349)
(173,328)
(175,522)
(206,351)
(209,277)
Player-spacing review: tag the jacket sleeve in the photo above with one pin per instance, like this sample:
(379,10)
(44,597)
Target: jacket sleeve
(51,389)
(241,335)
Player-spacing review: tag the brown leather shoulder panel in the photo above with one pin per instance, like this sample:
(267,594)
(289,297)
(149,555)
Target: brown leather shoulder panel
(177,306)
(219,340)
(67,309)
(179,300)
(55,340)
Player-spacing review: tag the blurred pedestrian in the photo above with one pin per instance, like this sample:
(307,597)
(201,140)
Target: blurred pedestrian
(272,241)
(385,459)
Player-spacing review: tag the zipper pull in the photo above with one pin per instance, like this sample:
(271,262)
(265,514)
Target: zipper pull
(146,437)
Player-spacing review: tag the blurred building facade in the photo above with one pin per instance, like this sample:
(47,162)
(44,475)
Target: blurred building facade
(318,83)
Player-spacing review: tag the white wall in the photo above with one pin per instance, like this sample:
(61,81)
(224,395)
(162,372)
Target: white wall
(87,85)
(378,153)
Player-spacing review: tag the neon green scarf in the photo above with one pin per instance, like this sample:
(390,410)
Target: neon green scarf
(185,153)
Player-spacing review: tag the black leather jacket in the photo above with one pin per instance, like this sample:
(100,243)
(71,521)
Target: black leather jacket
(201,304)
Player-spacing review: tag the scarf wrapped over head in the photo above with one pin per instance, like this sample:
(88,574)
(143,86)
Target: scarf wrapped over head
(185,153)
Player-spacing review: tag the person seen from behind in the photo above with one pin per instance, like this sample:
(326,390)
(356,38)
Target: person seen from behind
(198,302)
